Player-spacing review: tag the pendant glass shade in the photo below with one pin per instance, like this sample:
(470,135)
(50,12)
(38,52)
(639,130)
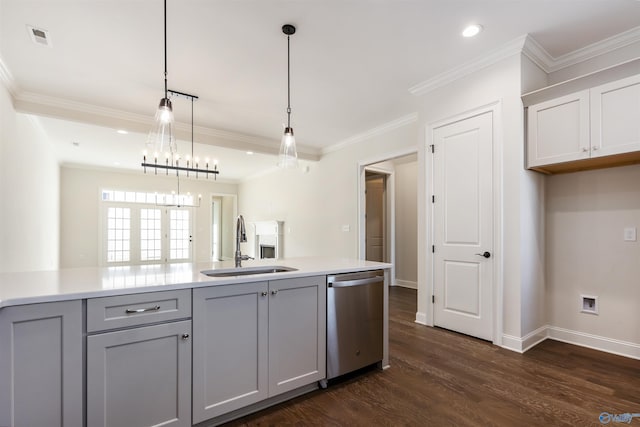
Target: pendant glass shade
(288,157)
(161,138)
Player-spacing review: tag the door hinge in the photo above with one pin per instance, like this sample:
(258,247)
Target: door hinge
(433,199)
(433,249)
(433,299)
(432,148)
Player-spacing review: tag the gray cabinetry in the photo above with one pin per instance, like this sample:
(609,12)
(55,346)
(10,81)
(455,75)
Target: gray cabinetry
(297,333)
(229,348)
(256,340)
(41,365)
(139,376)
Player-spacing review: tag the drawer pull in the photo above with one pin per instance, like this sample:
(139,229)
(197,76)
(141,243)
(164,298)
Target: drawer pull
(142,310)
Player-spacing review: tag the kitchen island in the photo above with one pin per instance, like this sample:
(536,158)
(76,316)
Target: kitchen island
(78,346)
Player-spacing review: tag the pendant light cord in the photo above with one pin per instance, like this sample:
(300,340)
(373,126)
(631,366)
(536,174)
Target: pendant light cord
(165,49)
(288,85)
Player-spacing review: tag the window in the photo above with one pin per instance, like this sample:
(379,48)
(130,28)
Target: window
(150,235)
(136,233)
(118,234)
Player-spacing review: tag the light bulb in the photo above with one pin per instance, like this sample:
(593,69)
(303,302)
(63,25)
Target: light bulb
(288,157)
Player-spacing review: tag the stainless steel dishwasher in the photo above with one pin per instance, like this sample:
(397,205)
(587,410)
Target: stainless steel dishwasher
(354,321)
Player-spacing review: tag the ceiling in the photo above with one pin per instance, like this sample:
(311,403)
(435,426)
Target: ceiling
(352,63)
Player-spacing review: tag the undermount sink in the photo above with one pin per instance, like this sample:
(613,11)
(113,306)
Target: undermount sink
(244,271)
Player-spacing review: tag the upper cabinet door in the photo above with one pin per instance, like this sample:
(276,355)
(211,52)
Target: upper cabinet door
(615,117)
(558,130)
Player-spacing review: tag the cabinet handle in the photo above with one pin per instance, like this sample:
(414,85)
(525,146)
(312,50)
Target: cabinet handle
(185,336)
(264,294)
(594,148)
(141,310)
(274,292)
(585,149)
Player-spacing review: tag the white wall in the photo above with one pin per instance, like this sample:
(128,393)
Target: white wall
(500,82)
(586,254)
(316,205)
(29,198)
(80,203)
(406,192)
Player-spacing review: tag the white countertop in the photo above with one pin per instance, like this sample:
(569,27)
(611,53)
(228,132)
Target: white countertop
(79,283)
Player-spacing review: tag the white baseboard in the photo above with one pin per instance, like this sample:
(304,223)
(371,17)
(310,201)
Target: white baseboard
(407,284)
(596,342)
(523,344)
(421,318)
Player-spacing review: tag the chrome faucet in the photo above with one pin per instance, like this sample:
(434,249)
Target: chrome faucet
(241,236)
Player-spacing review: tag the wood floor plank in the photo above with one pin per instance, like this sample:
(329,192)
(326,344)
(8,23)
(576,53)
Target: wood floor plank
(441,378)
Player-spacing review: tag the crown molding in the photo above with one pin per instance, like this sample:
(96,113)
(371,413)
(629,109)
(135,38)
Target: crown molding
(512,48)
(378,130)
(529,47)
(536,53)
(595,49)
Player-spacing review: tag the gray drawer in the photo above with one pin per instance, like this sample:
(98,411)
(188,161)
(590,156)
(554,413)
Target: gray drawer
(138,309)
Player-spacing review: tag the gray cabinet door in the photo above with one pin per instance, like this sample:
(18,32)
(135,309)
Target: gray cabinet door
(140,377)
(41,365)
(297,333)
(229,348)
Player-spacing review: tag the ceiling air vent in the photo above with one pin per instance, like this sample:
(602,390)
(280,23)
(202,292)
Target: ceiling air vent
(40,36)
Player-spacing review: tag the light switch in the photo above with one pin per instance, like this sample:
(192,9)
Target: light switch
(346,227)
(630,234)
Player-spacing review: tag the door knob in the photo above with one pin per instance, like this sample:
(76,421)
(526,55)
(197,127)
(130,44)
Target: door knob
(485,254)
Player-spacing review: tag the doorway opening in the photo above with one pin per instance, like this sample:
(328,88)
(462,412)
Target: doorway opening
(223,213)
(388,218)
(375,217)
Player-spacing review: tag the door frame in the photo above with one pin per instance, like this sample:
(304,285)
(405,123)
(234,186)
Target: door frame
(387,177)
(210,217)
(363,166)
(427,318)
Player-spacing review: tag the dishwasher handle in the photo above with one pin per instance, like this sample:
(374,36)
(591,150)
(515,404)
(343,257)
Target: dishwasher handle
(355,282)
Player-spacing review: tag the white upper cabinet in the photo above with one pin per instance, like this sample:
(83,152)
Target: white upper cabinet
(615,117)
(593,128)
(558,130)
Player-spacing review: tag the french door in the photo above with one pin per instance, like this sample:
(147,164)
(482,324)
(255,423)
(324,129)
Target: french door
(143,234)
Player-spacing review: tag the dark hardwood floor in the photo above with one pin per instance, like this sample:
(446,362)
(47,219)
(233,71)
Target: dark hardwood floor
(440,378)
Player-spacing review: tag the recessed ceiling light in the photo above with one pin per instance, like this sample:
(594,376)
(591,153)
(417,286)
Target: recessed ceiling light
(472,30)
(249,153)
(122,131)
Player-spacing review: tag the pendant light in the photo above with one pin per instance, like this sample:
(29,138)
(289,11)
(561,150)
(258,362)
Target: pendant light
(161,139)
(288,157)
(172,159)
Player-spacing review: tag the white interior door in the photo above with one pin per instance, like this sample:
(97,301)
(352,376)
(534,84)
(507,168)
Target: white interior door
(463,226)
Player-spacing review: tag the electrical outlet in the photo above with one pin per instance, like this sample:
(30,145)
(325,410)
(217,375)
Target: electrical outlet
(588,304)
(346,228)
(630,234)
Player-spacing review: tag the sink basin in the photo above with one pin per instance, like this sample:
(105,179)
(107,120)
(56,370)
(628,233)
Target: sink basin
(244,271)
